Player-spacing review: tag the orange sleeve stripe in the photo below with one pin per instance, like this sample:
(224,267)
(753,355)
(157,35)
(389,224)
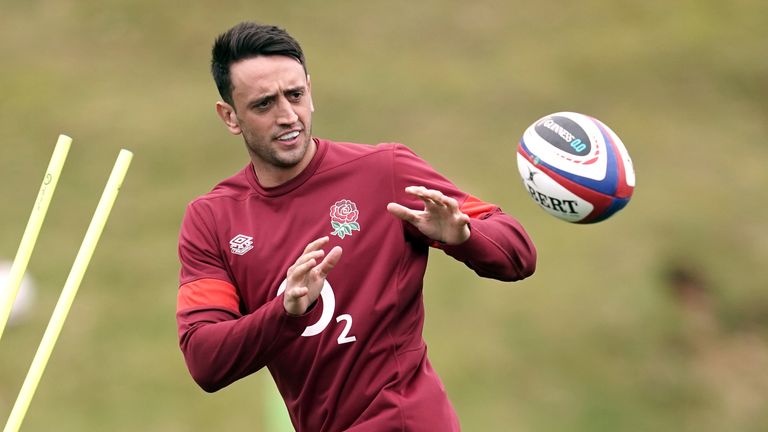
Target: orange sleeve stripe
(208,292)
(474,208)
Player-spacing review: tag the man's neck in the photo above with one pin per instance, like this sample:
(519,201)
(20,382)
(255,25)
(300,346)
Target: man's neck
(270,176)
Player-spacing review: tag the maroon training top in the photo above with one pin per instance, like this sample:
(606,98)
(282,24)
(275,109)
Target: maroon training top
(357,360)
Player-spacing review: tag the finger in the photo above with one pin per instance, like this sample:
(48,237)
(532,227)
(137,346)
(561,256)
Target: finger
(296,292)
(402,212)
(433,204)
(298,272)
(431,197)
(451,203)
(314,255)
(316,244)
(416,190)
(328,263)
(434,195)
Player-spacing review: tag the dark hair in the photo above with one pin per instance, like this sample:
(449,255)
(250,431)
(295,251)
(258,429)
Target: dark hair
(246,40)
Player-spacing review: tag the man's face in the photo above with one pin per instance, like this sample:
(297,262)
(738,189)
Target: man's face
(273,111)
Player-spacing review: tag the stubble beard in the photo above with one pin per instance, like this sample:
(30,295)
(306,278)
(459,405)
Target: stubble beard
(263,149)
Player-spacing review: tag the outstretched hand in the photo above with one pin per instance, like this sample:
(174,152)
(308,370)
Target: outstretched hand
(305,278)
(440,220)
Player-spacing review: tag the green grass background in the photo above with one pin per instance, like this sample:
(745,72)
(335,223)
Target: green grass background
(593,342)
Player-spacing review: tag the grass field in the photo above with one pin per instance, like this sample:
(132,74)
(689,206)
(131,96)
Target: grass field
(597,340)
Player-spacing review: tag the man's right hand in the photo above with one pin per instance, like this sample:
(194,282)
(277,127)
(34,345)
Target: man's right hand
(305,278)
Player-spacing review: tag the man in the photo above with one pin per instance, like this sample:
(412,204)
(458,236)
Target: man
(310,260)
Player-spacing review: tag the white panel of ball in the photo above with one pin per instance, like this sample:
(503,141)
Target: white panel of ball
(550,195)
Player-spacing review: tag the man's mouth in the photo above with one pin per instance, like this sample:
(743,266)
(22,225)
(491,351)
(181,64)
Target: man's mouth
(288,136)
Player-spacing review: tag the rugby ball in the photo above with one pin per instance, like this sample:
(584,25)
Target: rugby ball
(575,167)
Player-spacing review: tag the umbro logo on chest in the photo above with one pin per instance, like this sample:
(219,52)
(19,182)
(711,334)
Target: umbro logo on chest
(240,244)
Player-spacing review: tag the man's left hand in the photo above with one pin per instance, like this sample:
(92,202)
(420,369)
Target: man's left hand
(440,220)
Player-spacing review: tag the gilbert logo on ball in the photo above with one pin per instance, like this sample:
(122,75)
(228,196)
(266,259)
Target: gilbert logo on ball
(575,167)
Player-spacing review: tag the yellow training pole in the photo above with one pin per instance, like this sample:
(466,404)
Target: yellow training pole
(11,289)
(70,289)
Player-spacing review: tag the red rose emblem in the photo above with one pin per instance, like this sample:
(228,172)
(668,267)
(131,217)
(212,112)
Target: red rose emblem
(344,211)
(344,218)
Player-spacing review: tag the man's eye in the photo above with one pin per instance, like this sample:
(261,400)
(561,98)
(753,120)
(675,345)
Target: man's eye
(296,95)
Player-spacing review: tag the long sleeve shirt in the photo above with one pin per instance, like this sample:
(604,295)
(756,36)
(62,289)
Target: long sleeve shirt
(356,360)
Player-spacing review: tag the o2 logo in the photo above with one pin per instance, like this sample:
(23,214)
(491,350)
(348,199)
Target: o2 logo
(329,307)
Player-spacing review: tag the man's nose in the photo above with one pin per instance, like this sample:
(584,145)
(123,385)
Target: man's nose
(286,113)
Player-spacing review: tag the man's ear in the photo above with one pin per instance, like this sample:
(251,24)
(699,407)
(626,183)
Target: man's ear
(229,117)
(309,88)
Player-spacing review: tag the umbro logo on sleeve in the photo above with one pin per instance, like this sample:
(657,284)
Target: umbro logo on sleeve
(241,244)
